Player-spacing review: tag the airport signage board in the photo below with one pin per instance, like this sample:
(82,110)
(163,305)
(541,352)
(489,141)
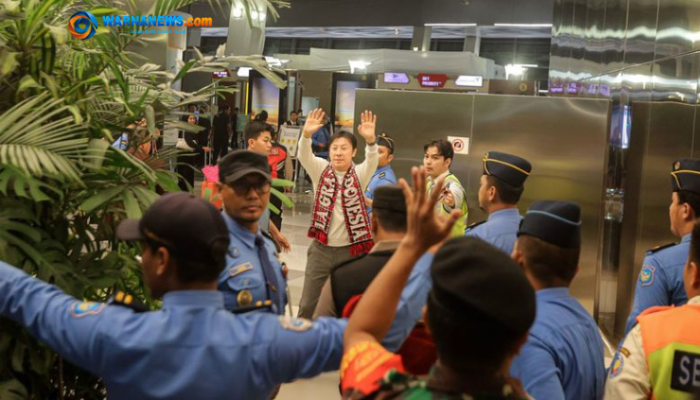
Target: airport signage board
(396,77)
(432,80)
(221,74)
(470,81)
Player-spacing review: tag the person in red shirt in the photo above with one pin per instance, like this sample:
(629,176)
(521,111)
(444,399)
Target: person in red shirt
(281,164)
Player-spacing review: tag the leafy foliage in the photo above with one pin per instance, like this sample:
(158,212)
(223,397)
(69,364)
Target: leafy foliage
(63,188)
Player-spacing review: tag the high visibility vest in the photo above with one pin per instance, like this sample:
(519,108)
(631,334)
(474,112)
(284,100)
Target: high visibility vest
(671,339)
(461,224)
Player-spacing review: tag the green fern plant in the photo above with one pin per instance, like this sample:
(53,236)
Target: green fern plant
(63,188)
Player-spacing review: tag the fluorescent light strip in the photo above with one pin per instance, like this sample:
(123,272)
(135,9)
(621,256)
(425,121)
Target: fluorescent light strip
(524,25)
(453,25)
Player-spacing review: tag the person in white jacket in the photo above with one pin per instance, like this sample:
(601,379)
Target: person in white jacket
(340,224)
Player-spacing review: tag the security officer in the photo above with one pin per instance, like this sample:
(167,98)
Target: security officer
(660,281)
(253,279)
(437,160)
(660,357)
(563,356)
(191,349)
(384,174)
(479,310)
(501,187)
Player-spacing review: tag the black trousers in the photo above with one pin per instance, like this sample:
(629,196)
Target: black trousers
(220,149)
(276,218)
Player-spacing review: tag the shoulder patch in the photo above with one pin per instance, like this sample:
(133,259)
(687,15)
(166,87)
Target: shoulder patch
(624,352)
(474,225)
(647,275)
(659,248)
(295,324)
(617,365)
(80,309)
(126,300)
(382,175)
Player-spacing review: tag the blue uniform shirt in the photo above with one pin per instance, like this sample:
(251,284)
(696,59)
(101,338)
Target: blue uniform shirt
(191,349)
(321,136)
(660,281)
(382,177)
(563,356)
(500,230)
(413,298)
(242,281)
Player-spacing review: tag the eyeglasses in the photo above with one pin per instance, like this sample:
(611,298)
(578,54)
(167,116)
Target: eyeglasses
(243,186)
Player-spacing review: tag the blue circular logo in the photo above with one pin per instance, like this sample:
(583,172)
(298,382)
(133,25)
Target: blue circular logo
(82,25)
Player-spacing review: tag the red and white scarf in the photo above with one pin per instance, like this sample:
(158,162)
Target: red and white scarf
(354,208)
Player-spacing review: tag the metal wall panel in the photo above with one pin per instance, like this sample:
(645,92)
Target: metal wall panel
(679,23)
(641,31)
(565,140)
(676,79)
(615,29)
(661,133)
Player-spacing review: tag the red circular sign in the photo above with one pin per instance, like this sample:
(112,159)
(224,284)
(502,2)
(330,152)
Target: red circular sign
(458,145)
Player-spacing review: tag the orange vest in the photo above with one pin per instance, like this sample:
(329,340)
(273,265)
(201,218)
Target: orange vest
(671,339)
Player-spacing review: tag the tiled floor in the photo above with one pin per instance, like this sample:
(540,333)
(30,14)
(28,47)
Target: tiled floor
(295,225)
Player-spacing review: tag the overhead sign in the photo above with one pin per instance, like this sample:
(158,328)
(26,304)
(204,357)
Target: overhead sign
(396,77)
(221,74)
(470,81)
(459,144)
(432,80)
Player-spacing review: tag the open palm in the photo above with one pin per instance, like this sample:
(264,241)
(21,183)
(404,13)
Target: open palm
(368,127)
(314,122)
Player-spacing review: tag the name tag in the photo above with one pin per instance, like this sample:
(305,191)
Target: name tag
(686,372)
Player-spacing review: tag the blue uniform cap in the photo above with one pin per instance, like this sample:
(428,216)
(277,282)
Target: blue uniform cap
(555,222)
(470,274)
(386,141)
(511,169)
(187,225)
(686,175)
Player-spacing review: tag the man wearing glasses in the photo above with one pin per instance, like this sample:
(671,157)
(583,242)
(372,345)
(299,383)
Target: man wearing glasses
(253,279)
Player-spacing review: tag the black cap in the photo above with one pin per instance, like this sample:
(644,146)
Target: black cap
(507,167)
(240,163)
(389,197)
(555,222)
(686,175)
(181,221)
(386,141)
(469,273)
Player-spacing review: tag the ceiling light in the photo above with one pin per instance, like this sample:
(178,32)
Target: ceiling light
(237,12)
(517,69)
(524,25)
(415,49)
(263,16)
(254,14)
(358,64)
(244,72)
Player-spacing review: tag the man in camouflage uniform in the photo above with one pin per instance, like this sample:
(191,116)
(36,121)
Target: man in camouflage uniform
(479,311)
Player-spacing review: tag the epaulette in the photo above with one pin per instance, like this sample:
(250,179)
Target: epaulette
(126,300)
(659,248)
(474,225)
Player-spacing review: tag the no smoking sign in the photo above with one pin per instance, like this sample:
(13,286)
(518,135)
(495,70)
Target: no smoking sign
(459,144)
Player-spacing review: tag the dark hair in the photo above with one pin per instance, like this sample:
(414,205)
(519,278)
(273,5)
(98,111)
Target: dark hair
(549,264)
(293,112)
(195,271)
(391,220)
(343,135)
(236,109)
(695,242)
(443,146)
(224,108)
(506,192)
(191,105)
(691,198)
(469,341)
(254,129)
(262,116)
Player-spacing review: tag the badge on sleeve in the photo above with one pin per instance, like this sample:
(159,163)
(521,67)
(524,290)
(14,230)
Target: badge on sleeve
(617,365)
(646,277)
(80,309)
(295,324)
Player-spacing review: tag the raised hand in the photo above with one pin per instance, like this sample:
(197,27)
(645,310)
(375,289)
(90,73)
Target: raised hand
(314,122)
(368,126)
(425,227)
